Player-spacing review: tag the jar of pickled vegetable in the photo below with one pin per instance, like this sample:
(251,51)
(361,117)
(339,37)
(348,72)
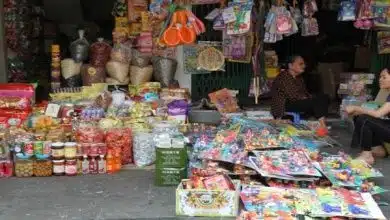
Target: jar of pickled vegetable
(57,150)
(24,168)
(70,150)
(43,168)
(58,167)
(71,167)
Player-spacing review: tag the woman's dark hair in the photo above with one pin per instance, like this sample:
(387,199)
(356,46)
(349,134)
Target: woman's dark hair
(291,59)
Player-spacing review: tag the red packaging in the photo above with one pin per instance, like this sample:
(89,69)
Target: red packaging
(121,138)
(6,169)
(89,134)
(218,182)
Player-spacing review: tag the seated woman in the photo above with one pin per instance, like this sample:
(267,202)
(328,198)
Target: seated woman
(289,94)
(371,128)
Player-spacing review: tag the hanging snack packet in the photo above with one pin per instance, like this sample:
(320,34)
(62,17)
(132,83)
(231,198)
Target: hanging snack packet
(347,11)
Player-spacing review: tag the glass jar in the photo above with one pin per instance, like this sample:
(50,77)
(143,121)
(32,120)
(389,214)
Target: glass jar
(43,168)
(94,150)
(57,151)
(70,150)
(71,167)
(24,168)
(102,149)
(59,167)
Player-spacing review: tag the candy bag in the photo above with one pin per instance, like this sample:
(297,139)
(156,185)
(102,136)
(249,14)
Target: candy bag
(347,11)
(310,27)
(224,101)
(178,110)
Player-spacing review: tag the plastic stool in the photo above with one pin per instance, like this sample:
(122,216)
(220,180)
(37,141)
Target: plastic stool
(296,117)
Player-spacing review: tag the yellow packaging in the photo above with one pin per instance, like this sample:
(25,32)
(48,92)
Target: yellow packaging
(121,22)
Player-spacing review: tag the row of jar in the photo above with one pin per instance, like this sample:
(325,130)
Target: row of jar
(57,150)
(70,167)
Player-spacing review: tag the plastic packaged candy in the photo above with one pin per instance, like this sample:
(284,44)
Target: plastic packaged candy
(224,101)
(143,149)
(24,168)
(6,168)
(121,138)
(89,134)
(178,110)
(347,11)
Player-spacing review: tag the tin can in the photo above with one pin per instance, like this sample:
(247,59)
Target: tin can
(46,148)
(28,148)
(38,147)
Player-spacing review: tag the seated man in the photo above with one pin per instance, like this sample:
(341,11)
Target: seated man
(289,94)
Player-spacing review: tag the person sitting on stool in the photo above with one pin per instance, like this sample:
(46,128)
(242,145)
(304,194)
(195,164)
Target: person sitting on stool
(289,93)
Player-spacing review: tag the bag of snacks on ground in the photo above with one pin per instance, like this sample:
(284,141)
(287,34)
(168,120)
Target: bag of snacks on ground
(100,53)
(121,138)
(139,75)
(92,74)
(117,70)
(79,48)
(143,149)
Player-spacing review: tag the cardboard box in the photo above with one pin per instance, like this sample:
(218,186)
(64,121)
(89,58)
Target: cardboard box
(169,176)
(171,157)
(210,203)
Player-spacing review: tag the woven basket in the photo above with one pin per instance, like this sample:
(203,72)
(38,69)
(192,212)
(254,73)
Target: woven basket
(211,59)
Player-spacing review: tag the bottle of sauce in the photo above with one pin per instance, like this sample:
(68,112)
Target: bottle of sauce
(117,159)
(85,165)
(93,166)
(102,164)
(110,162)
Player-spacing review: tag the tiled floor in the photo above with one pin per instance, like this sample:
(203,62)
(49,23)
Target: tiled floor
(129,194)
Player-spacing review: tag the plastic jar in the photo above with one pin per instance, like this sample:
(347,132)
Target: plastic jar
(59,167)
(70,150)
(71,167)
(94,150)
(57,150)
(43,168)
(24,168)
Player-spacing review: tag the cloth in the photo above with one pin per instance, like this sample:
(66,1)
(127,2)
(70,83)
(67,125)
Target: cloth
(316,106)
(370,132)
(286,88)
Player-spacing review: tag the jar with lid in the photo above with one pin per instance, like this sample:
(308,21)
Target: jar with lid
(70,150)
(59,167)
(71,167)
(57,151)
(94,150)
(24,168)
(43,168)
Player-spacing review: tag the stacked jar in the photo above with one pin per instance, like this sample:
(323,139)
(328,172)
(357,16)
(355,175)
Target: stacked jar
(70,153)
(55,66)
(58,156)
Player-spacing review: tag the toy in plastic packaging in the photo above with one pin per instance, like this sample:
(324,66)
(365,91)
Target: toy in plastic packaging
(310,27)
(240,17)
(224,100)
(347,11)
(284,22)
(309,8)
(143,149)
(100,53)
(296,13)
(79,48)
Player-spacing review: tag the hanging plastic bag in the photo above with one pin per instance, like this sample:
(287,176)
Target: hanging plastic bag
(347,11)
(242,24)
(310,27)
(284,21)
(79,48)
(309,8)
(296,14)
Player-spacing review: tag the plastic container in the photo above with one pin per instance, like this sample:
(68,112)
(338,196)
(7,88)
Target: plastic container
(71,167)
(24,168)
(43,168)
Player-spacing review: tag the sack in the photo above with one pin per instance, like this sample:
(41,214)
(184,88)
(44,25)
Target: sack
(164,70)
(92,74)
(79,48)
(117,70)
(139,59)
(121,52)
(139,75)
(100,53)
(113,81)
(70,68)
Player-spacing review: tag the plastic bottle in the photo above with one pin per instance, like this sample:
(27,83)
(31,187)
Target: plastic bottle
(102,164)
(93,166)
(117,159)
(85,164)
(110,162)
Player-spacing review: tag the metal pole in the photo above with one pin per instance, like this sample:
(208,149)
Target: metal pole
(3,47)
